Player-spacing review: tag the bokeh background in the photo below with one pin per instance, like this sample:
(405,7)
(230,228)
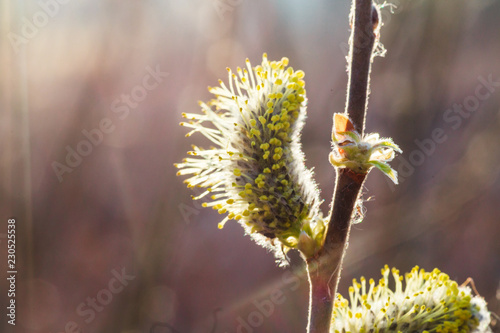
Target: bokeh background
(68,66)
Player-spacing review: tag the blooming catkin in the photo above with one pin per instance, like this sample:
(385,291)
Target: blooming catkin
(429,302)
(255,174)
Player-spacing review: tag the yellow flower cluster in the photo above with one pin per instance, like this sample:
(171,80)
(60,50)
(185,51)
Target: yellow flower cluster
(256,173)
(430,302)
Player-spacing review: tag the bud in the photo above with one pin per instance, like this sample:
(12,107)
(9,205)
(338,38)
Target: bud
(361,153)
(255,174)
(429,302)
(375,18)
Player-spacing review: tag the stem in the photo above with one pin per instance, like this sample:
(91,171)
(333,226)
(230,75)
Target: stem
(324,269)
(360,57)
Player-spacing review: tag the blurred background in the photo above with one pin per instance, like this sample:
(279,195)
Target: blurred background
(108,239)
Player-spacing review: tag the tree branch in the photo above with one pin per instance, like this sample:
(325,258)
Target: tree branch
(324,270)
(360,58)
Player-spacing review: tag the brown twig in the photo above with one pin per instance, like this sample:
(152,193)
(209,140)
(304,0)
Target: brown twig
(324,270)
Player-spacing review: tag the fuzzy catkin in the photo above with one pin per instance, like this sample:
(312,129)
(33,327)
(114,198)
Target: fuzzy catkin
(429,302)
(255,174)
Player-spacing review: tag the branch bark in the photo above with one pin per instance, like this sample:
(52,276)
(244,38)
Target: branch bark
(360,57)
(324,270)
